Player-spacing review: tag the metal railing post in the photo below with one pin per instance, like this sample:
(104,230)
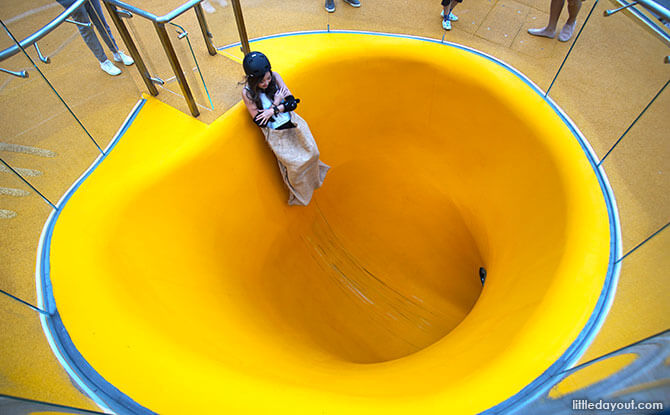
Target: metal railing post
(204,29)
(176,67)
(132,49)
(239,20)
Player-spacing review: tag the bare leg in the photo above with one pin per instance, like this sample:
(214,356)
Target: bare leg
(573,10)
(554,12)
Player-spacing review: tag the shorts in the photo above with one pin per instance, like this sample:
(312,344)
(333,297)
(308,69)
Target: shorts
(445,3)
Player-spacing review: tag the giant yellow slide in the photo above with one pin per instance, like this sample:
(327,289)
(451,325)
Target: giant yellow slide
(186,281)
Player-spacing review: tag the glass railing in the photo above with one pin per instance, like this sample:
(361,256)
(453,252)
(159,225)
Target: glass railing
(59,119)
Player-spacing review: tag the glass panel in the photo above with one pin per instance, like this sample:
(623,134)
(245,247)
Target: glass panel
(186,43)
(30,369)
(604,100)
(641,308)
(25,17)
(55,148)
(400,17)
(268,18)
(151,49)
(19,406)
(22,216)
(99,100)
(638,171)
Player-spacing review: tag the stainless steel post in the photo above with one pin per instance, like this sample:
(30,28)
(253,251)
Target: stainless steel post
(176,67)
(239,20)
(204,29)
(132,49)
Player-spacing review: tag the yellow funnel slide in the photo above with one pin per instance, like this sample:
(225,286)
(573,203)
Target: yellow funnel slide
(187,282)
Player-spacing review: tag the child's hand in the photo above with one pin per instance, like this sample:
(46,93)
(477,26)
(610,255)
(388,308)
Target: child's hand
(263,117)
(281,93)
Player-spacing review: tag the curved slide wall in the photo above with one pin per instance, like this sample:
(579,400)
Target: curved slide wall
(186,281)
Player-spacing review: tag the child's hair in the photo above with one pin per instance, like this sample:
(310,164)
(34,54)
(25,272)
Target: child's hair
(252,90)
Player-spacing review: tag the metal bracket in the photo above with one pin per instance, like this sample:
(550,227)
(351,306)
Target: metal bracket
(181,32)
(18,74)
(610,12)
(124,13)
(39,54)
(74,22)
(157,80)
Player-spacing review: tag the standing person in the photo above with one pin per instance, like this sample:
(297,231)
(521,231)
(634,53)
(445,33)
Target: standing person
(447,15)
(91,11)
(554,13)
(271,105)
(330,4)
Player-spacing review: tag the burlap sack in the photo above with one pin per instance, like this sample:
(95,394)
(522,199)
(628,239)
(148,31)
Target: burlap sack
(298,159)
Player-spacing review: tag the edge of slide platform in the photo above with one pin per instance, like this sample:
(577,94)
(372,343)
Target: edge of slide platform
(82,374)
(111,399)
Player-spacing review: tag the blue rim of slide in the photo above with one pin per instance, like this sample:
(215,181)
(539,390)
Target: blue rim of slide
(109,398)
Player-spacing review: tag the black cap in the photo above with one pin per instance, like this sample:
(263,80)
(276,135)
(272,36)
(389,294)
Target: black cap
(256,64)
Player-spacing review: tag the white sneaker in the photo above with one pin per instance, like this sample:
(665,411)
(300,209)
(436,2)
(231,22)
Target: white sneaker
(452,16)
(122,57)
(446,24)
(109,67)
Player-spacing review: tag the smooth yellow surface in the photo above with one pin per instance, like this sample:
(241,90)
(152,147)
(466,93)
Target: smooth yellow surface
(186,281)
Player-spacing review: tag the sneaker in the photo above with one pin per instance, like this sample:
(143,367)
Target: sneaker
(122,57)
(446,24)
(452,16)
(354,3)
(109,67)
(330,6)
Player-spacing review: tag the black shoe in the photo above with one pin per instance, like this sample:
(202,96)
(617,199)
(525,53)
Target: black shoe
(330,6)
(354,3)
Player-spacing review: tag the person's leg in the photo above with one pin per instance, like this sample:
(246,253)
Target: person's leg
(569,28)
(445,10)
(88,34)
(573,10)
(447,6)
(106,33)
(554,12)
(452,5)
(100,23)
(81,15)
